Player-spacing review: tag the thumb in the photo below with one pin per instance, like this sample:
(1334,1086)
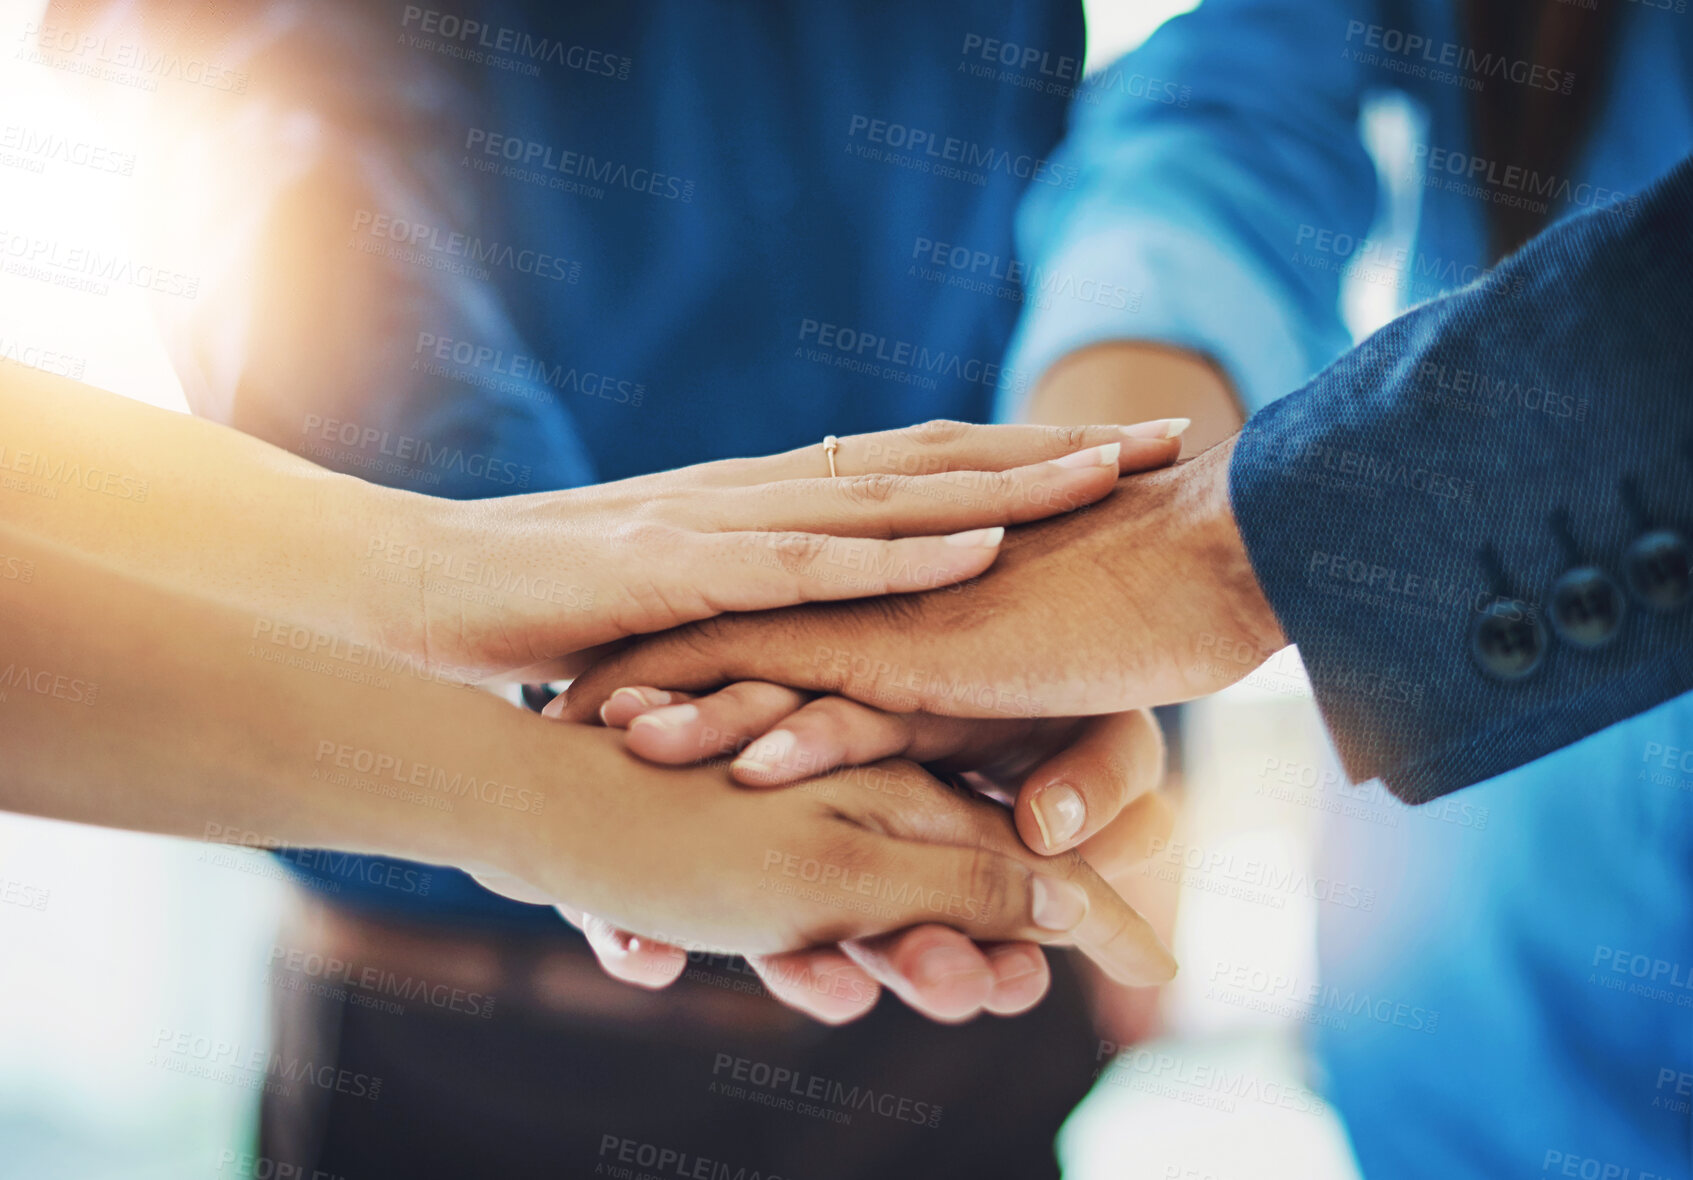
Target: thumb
(996,896)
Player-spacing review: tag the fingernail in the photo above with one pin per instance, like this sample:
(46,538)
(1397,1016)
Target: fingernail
(943,963)
(647,698)
(671,717)
(1105,456)
(1012,963)
(978,538)
(1159,428)
(1058,905)
(1059,813)
(768,752)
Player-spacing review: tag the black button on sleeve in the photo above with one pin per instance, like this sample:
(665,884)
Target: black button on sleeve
(1507,643)
(1587,607)
(1659,569)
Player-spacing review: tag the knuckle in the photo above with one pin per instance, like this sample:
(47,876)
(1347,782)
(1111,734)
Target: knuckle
(989,884)
(1070,438)
(796,552)
(875,488)
(938,432)
(647,534)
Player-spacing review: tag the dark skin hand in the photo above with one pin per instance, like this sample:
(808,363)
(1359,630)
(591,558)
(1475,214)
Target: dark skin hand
(1114,762)
(1147,598)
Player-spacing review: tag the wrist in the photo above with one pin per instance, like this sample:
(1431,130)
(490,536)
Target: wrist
(412,547)
(1225,554)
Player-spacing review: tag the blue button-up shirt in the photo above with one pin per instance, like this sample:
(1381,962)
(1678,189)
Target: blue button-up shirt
(636,236)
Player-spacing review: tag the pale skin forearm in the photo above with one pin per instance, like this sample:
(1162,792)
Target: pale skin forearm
(134,705)
(201,507)
(1133,381)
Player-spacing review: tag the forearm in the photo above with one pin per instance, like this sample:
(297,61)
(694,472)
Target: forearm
(206,509)
(1137,381)
(134,705)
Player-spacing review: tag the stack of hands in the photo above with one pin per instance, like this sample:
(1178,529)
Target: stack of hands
(744,760)
(845,825)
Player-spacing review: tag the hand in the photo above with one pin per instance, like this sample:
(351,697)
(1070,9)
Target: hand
(703,863)
(514,586)
(1148,598)
(1092,778)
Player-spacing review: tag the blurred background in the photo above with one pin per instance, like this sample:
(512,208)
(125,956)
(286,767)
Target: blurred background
(129,940)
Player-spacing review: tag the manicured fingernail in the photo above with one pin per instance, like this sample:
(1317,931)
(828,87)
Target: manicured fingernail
(1012,963)
(1059,813)
(943,963)
(1158,428)
(768,752)
(1058,905)
(1105,456)
(645,698)
(978,538)
(670,717)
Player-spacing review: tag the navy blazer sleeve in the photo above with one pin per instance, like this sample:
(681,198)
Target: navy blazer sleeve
(1476,524)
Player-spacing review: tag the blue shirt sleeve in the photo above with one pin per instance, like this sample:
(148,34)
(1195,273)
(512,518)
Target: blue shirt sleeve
(1205,158)
(1471,592)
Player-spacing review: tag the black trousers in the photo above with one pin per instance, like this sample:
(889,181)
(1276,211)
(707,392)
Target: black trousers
(572,1074)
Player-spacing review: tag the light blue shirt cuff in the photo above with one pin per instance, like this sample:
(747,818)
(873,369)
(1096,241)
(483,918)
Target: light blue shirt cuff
(1162,283)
